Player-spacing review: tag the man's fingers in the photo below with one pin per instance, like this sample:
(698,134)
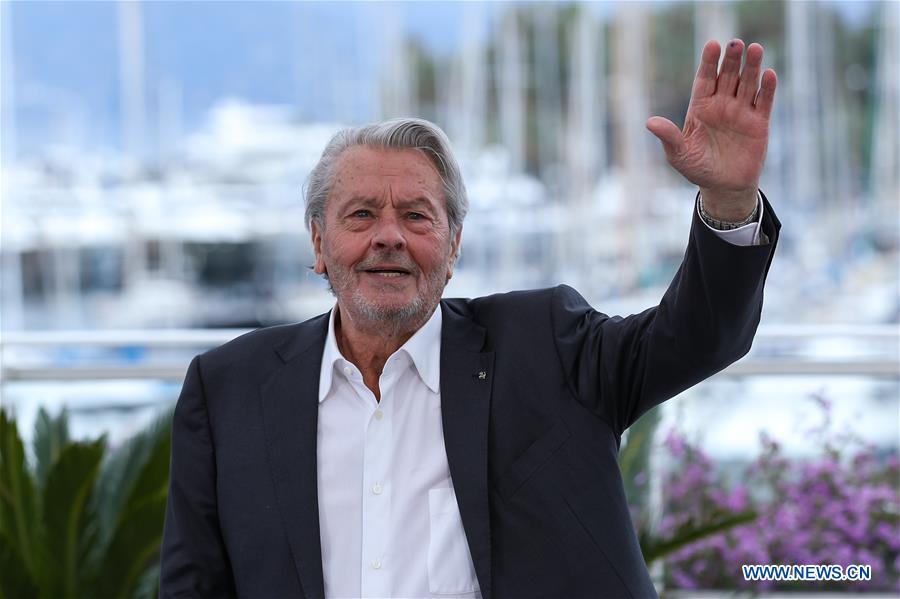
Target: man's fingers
(766,96)
(669,134)
(705,80)
(731,66)
(749,82)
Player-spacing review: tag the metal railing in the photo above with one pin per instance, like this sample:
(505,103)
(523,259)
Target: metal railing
(760,361)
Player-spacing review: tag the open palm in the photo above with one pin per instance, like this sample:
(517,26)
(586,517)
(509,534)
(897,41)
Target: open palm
(722,147)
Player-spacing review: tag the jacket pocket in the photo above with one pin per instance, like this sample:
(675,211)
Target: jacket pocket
(531,460)
(450,568)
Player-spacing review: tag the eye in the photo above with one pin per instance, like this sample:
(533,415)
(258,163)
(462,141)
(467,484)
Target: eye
(362,213)
(416,216)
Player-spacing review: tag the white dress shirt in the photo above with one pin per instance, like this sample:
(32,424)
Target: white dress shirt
(389,522)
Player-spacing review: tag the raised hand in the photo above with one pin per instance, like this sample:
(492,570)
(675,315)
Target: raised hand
(722,147)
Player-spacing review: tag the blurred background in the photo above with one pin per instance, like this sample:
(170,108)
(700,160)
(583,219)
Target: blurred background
(154,153)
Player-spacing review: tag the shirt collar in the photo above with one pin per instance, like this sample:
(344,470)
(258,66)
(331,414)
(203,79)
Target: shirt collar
(424,348)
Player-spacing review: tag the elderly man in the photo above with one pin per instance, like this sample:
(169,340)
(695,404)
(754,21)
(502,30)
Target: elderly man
(407,446)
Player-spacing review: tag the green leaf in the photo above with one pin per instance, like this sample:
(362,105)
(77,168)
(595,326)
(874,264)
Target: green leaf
(19,507)
(148,585)
(634,458)
(51,435)
(153,478)
(70,519)
(15,581)
(655,548)
(124,466)
(134,547)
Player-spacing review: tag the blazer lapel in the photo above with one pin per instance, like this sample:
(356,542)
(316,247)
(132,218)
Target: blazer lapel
(466,381)
(290,417)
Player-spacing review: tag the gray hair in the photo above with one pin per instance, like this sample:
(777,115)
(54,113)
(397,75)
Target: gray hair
(399,134)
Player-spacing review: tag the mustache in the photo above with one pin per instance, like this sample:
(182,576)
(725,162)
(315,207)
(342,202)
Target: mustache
(394,259)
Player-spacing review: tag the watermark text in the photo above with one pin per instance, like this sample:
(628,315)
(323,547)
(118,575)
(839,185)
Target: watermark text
(808,572)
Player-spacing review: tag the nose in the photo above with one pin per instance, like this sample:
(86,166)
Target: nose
(388,235)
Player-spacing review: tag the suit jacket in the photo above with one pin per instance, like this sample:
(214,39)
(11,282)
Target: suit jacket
(536,389)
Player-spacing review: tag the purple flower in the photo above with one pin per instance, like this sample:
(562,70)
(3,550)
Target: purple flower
(675,444)
(683,580)
(840,507)
(889,534)
(737,499)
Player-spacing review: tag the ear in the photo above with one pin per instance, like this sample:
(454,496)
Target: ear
(454,252)
(316,234)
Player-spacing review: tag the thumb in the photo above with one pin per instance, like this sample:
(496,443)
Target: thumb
(669,134)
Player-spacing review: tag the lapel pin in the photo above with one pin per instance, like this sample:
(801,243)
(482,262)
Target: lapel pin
(482,375)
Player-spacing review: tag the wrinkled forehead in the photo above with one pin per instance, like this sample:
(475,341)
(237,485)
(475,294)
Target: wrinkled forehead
(369,172)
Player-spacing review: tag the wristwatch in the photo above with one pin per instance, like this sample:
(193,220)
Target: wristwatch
(723,225)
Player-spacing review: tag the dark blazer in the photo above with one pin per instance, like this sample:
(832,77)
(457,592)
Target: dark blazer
(536,390)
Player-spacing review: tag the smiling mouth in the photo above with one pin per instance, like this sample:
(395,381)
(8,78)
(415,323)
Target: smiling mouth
(388,272)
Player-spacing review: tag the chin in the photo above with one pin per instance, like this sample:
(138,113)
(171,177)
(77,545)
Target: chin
(397,311)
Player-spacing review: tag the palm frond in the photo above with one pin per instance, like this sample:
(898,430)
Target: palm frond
(15,581)
(122,469)
(135,543)
(70,518)
(50,436)
(19,507)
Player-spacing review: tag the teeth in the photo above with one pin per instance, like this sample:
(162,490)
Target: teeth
(389,274)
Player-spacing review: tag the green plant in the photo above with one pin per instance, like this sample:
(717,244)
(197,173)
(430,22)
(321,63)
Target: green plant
(81,521)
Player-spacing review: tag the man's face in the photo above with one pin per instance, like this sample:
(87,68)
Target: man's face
(385,244)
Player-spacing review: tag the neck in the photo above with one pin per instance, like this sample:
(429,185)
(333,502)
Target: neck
(368,345)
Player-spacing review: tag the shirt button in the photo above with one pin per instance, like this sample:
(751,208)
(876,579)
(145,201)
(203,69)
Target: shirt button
(377,489)
(379,414)
(348,371)
(376,564)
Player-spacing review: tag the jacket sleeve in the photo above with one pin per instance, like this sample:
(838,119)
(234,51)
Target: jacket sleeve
(194,562)
(621,367)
